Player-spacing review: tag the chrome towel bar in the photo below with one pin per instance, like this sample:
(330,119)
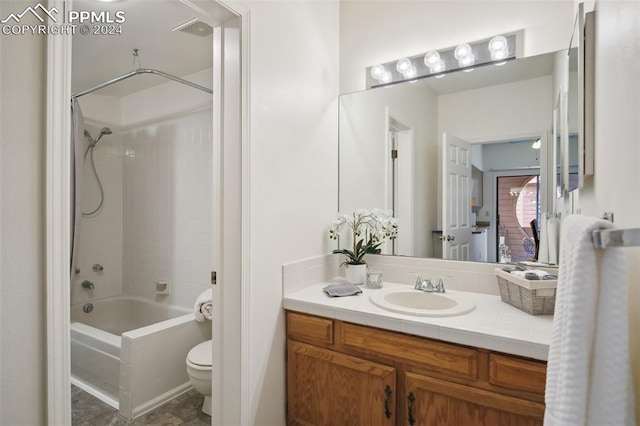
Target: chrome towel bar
(606,238)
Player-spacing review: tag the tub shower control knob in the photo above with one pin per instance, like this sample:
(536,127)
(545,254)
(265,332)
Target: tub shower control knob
(98,268)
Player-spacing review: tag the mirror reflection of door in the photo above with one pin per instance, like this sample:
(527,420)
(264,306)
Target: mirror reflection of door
(456,198)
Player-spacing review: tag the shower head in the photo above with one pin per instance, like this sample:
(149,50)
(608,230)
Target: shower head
(103,131)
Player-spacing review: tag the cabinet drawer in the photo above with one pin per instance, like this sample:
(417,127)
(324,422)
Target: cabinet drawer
(310,328)
(517,374)
(440,357)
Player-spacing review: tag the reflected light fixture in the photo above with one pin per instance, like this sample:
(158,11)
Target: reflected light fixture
(464,55)
(499,48)
(435,64)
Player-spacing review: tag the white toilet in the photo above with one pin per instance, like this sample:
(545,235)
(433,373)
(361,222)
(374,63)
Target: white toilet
(199,370)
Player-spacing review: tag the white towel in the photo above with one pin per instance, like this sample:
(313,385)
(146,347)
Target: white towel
(548,252)
(589,373)
(203,308)
(552,240)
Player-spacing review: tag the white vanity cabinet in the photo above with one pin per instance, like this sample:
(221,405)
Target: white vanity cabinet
(479,243)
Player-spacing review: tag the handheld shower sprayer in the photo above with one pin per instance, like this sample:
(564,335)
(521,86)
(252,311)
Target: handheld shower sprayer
(103,131)
(92,144)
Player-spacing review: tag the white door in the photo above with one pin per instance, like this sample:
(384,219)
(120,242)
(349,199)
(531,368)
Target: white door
(456,198)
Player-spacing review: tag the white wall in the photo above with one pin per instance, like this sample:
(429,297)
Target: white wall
(376,32)
(293,179)
(502,112)
(22,234)
(614,186)
(365,154)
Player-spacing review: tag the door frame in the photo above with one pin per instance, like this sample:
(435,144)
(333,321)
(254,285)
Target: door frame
(397,127)
(58,230)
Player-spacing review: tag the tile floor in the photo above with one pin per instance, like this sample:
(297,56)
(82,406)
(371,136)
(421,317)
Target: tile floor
(87,410)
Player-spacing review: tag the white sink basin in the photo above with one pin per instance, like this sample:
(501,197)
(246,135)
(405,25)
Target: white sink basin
(414,302)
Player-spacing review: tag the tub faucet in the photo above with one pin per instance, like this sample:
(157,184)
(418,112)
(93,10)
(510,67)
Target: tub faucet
(88,285)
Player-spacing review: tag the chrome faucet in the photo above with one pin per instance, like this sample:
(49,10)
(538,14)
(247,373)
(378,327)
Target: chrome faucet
(88,285)
(427,285)
(423,284)
(439,286)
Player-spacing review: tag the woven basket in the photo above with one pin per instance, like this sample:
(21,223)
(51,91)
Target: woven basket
(535,297)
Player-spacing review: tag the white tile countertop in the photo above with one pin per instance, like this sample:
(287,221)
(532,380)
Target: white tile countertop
(492,325)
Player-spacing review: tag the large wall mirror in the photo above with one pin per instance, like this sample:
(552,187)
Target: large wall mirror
(466,162)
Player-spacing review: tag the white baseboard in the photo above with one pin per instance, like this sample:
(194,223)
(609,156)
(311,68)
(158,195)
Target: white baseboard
(158,401)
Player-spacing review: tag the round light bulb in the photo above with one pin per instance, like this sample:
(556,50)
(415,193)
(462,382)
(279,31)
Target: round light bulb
(431,58)
(437,67)
(467,61)
(496,55)
(410,73)
(498,43)
(463,51)
(499,48)
(377,71)
(387,77)
(403,65)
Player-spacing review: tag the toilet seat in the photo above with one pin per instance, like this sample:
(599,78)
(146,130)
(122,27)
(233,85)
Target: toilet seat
(200,355)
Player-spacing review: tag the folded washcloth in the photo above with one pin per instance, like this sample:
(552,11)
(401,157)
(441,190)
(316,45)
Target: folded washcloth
(203,308)
(531,274)
(343,289)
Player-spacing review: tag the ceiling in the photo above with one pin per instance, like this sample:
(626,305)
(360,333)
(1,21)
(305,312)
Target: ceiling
(148,25)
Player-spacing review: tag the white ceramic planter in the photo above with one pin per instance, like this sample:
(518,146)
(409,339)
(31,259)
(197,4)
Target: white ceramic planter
(356,274)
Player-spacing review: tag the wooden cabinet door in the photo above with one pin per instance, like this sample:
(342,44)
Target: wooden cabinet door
(329,388)
(433,402)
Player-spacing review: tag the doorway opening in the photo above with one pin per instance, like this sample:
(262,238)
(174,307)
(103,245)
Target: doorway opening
(220,124)
(518,205)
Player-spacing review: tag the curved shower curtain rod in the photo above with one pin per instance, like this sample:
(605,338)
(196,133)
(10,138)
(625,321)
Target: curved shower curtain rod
(138,72)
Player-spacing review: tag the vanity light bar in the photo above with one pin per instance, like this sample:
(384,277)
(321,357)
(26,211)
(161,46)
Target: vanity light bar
(437,63)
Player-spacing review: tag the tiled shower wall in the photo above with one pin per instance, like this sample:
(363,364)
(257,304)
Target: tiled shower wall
(168,208)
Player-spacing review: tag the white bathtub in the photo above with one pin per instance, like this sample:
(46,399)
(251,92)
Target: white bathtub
(130,352)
